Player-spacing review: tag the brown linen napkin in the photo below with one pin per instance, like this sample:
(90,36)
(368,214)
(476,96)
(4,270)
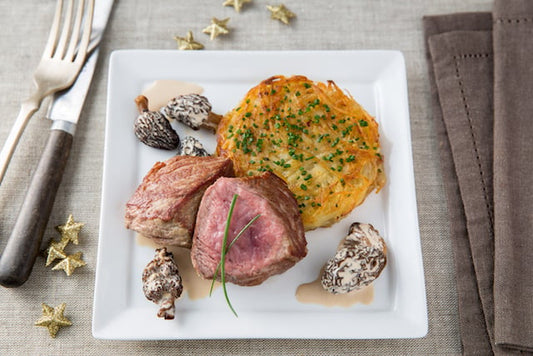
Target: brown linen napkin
(493,311)
(453,102)
(513,173)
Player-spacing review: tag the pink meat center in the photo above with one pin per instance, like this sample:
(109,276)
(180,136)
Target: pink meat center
(259,245)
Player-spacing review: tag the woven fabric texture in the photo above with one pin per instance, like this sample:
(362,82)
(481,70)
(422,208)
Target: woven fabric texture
(319,25)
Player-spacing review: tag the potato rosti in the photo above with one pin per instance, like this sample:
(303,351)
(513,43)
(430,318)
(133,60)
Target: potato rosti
(311,134)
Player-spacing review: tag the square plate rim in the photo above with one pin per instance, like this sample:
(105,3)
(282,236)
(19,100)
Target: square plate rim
(419,327)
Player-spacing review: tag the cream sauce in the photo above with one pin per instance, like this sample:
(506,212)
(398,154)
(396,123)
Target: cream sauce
(160,92)
(314,293)
(195,286)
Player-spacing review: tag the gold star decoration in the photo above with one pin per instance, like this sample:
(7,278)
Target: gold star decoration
(217,27)
(188,42)
(53,318)
(280,12)
(70,230)
(56,250)
(237,4)
(70,263)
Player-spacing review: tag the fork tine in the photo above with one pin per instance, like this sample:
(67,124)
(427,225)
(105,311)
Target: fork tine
(76,32)
(54,31)
(86,36)
(60,50)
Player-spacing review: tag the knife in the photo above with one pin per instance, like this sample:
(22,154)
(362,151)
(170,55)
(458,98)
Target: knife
(18,258)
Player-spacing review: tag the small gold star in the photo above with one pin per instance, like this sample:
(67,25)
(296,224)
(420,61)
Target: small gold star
(237,4)
(53,318)
(70,263)
(56,250)
(217,27)
(188,42)
(280,12)
(70,230)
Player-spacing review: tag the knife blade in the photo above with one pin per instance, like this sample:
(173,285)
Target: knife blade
(66,107)
(102,10)
(22,248)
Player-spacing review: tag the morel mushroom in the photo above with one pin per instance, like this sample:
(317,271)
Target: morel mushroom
(162,282)
(190,146)
(193,110)
(360,259)
(152,128)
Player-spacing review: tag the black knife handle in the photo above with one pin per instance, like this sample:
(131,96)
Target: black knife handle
(18,258)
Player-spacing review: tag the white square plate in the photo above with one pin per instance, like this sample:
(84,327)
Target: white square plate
(377,80)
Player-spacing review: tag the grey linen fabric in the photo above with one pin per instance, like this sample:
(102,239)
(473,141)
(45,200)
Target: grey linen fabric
(319,25)
(464,64)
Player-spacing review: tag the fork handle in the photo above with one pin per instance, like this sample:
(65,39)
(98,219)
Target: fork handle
(27,109)
(23,245)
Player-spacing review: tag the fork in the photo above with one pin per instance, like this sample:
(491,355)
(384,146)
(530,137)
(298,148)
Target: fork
(58,68)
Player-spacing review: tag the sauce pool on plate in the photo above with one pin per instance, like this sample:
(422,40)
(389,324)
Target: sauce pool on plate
(160,92)
(314,293)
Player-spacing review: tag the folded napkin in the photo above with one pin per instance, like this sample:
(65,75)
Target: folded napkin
(481,75)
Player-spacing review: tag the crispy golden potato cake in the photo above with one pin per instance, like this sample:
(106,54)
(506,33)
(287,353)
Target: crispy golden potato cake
(311,134)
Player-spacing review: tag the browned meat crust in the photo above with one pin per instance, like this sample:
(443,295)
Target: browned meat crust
(164,206)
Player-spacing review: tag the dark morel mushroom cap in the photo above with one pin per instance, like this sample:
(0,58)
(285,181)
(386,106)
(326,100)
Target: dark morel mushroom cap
(360,259)
(152,129)
(162,282)
(191,109)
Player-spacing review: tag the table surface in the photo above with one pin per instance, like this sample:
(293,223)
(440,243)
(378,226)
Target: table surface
(320,25)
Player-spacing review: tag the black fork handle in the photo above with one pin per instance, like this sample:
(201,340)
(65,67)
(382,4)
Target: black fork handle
(22,249)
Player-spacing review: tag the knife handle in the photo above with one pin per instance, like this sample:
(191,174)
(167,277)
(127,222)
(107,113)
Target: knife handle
(23,245)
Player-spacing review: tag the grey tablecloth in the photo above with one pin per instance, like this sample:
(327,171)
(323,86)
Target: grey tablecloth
(348,24)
